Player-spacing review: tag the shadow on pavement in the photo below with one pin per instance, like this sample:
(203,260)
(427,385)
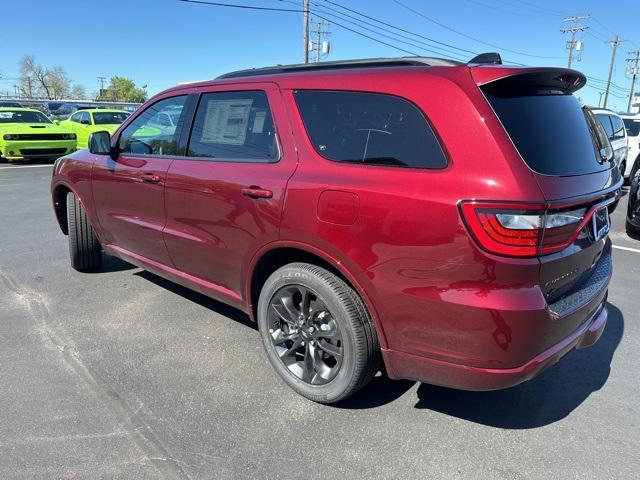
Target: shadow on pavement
(113,264)
(541,401)
(218,307)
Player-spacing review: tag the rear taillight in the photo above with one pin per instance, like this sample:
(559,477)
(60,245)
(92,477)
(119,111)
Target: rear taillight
(518,230)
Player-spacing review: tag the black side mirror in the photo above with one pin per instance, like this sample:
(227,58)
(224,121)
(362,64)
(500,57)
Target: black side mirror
(100,143)
(85,122)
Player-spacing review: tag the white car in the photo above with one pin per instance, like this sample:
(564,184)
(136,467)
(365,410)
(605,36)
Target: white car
(614,127)
(632,125)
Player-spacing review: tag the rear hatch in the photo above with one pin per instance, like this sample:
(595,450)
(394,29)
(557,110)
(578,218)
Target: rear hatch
(572,162)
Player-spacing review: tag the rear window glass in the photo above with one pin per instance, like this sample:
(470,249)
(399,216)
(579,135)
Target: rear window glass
(109,118)
(632,126)
(550,131)
(369,128)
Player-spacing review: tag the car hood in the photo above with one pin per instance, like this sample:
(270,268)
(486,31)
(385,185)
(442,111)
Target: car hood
(33,128)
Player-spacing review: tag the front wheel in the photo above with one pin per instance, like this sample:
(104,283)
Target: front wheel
(317,333)
(84,248)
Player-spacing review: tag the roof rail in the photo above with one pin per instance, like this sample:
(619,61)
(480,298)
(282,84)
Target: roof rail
(343,64)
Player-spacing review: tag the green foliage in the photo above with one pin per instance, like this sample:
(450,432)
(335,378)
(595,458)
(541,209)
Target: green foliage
(122,89)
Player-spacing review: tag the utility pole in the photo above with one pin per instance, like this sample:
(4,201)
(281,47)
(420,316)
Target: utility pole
(320,46)
(15,90)
(575,28)
(634,69)
(305,9)
(615,42)
(101,80)
(600,98)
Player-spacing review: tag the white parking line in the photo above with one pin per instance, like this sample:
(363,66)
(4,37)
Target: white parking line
(626,249)
(15,167)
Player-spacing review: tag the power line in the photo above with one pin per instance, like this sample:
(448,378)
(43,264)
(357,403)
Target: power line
(246,7)
(576,27)
(415,43)
(516,52)
(397,28)
(538,15)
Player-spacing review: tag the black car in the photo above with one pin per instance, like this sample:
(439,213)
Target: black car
(633,209)
(10,104)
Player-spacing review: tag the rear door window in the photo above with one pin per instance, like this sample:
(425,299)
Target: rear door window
(369,128)
(548,128)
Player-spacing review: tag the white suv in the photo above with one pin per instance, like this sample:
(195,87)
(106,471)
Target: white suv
(632,125)
(614,127)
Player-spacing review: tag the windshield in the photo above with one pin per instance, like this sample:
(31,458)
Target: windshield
(22,116)
(109,118)
(549,131)
(632,126)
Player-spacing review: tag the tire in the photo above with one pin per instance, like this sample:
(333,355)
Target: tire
(84,249)
(631,229)
(339,317)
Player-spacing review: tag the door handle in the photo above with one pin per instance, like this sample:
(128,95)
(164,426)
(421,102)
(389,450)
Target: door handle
(256,192)
(150,178)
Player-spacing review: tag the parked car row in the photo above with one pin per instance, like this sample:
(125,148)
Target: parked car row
(27,133)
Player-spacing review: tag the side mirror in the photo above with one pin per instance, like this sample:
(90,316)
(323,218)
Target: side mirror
(100,143)
(56,121)
(85,122)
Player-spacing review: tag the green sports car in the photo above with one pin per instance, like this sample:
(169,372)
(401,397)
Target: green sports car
(85,122)
(26,133)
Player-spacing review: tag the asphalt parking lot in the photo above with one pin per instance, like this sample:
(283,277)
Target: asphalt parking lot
(125,375)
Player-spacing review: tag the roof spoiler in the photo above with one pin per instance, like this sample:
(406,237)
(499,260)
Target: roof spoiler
(490,58)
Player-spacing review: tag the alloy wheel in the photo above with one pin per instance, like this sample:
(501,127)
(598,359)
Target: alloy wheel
(305,335)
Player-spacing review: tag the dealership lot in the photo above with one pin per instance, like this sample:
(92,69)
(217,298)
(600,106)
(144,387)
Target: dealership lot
(125,375)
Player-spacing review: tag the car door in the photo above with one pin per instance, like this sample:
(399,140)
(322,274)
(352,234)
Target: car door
(129,189)
(82,130)
(224,198)
(73,122)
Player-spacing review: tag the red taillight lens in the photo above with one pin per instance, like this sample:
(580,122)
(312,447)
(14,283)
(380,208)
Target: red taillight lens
(522,230)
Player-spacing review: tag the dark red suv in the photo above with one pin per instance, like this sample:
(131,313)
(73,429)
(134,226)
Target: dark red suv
(446,220)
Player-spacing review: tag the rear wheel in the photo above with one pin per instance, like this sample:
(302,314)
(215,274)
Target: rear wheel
(84,249)
(317,333)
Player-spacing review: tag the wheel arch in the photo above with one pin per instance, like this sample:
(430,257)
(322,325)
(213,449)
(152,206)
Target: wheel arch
(59,197)
(274,256)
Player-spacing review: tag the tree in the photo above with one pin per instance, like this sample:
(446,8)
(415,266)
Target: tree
(39,81)
(78,92)
(122,89)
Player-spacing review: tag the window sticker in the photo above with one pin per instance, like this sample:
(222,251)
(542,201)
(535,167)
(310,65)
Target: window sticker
(258,122)
(226,121)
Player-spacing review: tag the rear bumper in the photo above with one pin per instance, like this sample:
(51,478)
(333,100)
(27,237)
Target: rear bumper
(402,365)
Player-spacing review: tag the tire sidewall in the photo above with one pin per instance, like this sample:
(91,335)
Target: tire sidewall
(292,275)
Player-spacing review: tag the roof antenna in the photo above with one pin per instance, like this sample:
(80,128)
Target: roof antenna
(491,58)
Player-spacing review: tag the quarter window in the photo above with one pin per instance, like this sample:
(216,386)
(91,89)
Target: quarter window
(234,125)
(145,136)
(369,128)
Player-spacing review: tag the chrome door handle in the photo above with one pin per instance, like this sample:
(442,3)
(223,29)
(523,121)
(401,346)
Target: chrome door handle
(256,192)
(150,178)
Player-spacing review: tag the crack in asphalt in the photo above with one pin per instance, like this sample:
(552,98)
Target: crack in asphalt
(130,420)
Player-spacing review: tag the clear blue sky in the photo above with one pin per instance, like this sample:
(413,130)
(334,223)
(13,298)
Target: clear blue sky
(162,42)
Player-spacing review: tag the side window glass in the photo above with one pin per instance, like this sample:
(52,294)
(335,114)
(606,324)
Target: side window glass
(605,121)
(369,128)
(234,125)
(84,118)
(618,127)
(75,118)
(146,136)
